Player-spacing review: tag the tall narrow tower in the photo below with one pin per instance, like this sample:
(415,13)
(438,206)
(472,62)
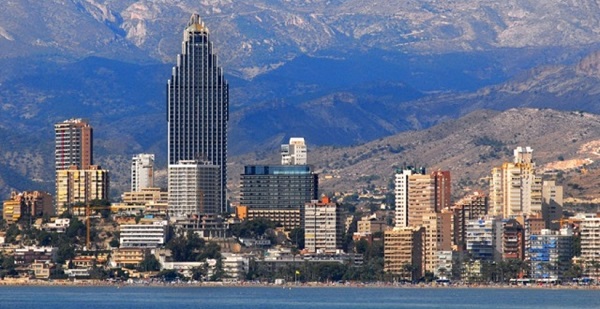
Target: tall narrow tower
(74,141)
(198,105)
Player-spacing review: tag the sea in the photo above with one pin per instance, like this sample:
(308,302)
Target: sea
(295,297)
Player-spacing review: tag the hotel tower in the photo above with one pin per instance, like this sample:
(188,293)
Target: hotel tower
(198,107)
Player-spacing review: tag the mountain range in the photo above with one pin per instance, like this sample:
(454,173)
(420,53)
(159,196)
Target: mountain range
(339,73)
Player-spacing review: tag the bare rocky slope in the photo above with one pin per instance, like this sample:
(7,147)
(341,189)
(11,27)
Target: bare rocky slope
(566,145)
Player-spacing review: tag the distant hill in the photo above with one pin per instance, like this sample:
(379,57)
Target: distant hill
(565,144)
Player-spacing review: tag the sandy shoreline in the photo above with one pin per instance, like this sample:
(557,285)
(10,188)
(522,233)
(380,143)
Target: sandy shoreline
(99,283)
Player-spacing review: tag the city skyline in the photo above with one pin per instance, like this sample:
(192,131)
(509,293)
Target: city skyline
(188,231)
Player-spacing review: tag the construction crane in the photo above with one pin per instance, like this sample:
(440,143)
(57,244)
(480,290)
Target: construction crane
(562,221)
(88,216)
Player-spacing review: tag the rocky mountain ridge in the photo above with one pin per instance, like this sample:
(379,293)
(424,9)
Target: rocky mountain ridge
(254,37)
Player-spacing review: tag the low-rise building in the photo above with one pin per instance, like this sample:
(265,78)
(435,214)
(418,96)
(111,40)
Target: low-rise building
(150,234)
(77,272)
(145,196)
(28,255)
(235,266)
(60,225)
(42,270)
(127,257)
(33,203)
(370,225)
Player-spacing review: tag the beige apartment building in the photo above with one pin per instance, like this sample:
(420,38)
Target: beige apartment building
(515,188)
(144,196)
(403,252)
(34,203)
(438,237)
(421,198)
(80,186)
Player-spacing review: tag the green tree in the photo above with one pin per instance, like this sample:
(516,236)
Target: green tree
(114,243)
(252,228)
(429,276)
(64,253)
(150,263)
(361,246)
(198,273)
(76,229)
(219,272)
(8,266)
(186,248)
(12,233)
(297,237)
(169,275)
(330,271)
(211,251)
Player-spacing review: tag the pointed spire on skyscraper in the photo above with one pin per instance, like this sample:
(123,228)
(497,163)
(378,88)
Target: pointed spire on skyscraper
(195,25)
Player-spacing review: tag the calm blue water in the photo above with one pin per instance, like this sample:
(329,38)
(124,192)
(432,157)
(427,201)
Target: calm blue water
(305,298)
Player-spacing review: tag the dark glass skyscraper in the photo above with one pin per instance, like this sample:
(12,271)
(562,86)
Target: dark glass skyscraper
(198,104)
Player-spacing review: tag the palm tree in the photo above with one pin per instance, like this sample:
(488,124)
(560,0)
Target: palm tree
(408,272)
(443,272)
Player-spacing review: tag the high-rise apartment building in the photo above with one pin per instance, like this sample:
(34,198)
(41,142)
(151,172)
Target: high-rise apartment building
(515,189)
(496,198)
(443,189)
(403,252)
(142,172)
(73,144)
(421,197)
(194,189)
(401,195)
(278,186)
(75,186)
(484,238)
(294,153)
(472,206)
(198,106)
(437,237)
(323,226)
(590,244)
(552,204)
(513,240)
(550,253)
(417,193)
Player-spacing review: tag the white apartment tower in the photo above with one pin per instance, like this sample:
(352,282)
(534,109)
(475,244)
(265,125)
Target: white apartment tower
(590,243)
(294,153)
(142,172)
(401,196)
(323,226)
(194,189)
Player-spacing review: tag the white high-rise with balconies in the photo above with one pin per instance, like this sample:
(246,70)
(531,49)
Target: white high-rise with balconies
(401,196)
(294,153)
(194,189)
(142,172)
